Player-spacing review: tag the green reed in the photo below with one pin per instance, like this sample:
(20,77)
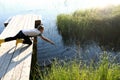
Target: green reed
(76,70)
(102,25)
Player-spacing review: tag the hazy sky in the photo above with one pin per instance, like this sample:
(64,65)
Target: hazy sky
(10,6)
(57,3)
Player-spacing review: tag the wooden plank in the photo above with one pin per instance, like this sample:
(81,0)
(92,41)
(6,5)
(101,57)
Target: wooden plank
(26,69)
(6,56)
(11,66)
(7,59)
(3,52)
(26,65)
(6,62)
(19,63)
(10,30)
(20,66)
(8,76)
(16,60)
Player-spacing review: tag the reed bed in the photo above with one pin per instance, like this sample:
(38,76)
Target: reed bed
(100,25)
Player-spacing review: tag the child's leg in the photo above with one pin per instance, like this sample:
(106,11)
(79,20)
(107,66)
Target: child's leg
(18,36)
(27,40)
(10,39)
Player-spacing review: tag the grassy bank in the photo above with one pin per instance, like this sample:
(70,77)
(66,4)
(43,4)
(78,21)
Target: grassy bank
(105,69)
(101,25)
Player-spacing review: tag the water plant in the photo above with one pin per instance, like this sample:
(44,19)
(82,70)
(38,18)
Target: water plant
(101,25)
(78,70)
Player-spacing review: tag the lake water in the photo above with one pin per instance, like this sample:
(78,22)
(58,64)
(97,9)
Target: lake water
(49,11)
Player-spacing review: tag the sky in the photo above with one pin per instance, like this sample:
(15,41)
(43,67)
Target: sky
(20,6)
(57,3)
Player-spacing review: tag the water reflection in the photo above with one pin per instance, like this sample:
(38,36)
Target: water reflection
(49,10)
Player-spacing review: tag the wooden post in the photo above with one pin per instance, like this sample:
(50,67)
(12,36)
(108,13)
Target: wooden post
(7,21)
(34,54)
(37,22)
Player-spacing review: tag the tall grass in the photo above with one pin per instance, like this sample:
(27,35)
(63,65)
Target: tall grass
(76,70)
(102,25)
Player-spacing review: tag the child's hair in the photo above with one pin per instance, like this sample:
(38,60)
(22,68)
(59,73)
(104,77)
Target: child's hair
(40,27)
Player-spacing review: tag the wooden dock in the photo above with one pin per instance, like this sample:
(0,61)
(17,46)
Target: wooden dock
(15,61)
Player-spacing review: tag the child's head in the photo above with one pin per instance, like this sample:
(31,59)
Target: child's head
(40,28)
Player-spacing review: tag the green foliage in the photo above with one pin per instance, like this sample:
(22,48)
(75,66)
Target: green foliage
(104,70)
(94,24)
(35,72)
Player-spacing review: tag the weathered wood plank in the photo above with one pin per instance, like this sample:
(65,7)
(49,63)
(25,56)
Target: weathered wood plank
(15,62)
(12,65)
(6,62)
(19,60)
(26,65)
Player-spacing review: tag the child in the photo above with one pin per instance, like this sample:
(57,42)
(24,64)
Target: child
(23,36)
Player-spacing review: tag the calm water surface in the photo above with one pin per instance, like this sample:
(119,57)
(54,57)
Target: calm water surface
(49,11)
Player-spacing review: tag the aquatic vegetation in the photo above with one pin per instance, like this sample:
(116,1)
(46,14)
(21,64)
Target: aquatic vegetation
(79,70)
(101,25)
